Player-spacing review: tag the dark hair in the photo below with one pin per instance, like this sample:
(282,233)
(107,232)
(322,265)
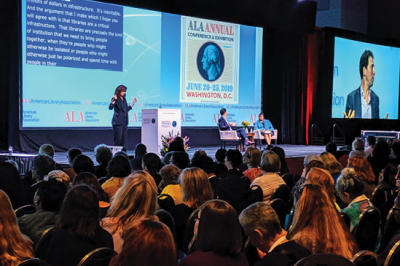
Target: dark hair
(179,140)
(222,111)
(72,153)
(47,149)
(140,149)
(180,159)
(198,154)
(314,163)
(220,169)
(371,140)
(396,148)
(52,194)
(364,61)
(389,174)
(43,164)
(281,153)
(219,230)
(235,157)
(119,166)
(260,114)
(381,149)
(176,146)
(79,214)
(11,184)
(350,183)
(331,147)
(205,163)
(122,153)
(152,162)
(89,179)
(82,163)
(220,155)
(170,174)
(103,153)
(119,89)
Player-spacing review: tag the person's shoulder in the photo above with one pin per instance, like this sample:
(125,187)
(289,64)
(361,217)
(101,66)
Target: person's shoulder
(373,94)
(354,92)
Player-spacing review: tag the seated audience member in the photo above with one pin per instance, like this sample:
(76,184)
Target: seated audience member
(11,184)
(310,161)
(196,190)
(270,180)
(380,158)
(317,225)
(331,164)
(78,230)
(151,164)
(261,224)
(233,160)
(91,181)
(364,173)
(358,148)
(48,149)
(220,155)
(387,185)
(180,159)
(118,168)
(284,172)
(206,164)
(103,156)
(123,153)
(147,243)
(170,177)
(47,200)
(350,189)
(218,237)
(198,154)
(72,153)
(140,150)
(176,145)
(371,140)
(396,153)
(396,237)
(60,176)
(135,200)
(15,247)
(82,163)
(252,158)
(220,169)
(331,147)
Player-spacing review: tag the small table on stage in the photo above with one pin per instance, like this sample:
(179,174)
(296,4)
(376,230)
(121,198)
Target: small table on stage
(250,136)
(24,161)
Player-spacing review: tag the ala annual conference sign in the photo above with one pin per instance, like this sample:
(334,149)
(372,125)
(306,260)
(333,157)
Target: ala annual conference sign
(209,61)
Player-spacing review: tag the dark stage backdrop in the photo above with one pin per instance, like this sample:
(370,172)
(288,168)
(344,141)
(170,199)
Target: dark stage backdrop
(285,72)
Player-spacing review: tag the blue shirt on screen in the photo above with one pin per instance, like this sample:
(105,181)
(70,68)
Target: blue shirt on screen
(265,125)
(365,107)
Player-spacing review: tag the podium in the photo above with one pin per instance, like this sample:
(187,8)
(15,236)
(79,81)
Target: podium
(159,122)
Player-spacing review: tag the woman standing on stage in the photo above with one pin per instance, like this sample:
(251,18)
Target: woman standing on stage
(267,130)
(120,119)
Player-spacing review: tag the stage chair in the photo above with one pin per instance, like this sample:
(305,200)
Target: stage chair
(166,202)
(98,257)
(228,135)
(44,242)
(326,259)
(393,259)
(166,218)
(258,136)
(280,208)
(367,230)
(365,258)
(275,136)
(33,262)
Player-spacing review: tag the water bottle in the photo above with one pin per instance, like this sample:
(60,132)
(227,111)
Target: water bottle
(10,150)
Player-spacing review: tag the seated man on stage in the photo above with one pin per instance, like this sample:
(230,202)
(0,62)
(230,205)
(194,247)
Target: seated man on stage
(225,125)
(267,130)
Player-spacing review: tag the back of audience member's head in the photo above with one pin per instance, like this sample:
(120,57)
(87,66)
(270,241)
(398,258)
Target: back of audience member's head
(60,176)
(14,246)
(371,140)
(151,162)
(122,153)
(396,148)
(140,150)
(119,166)
(198,154)
(79,214)
(220,155)
(50,195)
(42,165)
(363,168)
(196,188)
(47,149)
(170,174)
(313,164)
(147,243)
(234,157)
(89,179)
(72,153)
(205,163)
(358,145)
(136,199)
(103,154)
(349,183)
(220,169)
(11,184)
(331,147)
(180,159)
(83,163)
(312,157)
(253,155)
(330,163)
(13,163)
(180,140)
(282,157)
(218,229)
(322,178)
(381,150)
(389,175)
(176,146)
(270,162)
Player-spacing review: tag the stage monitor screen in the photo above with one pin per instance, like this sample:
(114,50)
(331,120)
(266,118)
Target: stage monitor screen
(365,80)
(75,53)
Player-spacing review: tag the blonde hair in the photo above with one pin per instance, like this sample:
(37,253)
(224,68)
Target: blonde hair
(136,199)
(322,178)
(196,189)
(14,246)
(330,163)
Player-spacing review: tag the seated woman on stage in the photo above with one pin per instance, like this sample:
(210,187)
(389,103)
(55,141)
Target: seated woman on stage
(267,130)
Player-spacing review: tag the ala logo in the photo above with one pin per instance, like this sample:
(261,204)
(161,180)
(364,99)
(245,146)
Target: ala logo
(89,102)
(253,118)
(215,118)
(73,116)
(26,100)
(134,118)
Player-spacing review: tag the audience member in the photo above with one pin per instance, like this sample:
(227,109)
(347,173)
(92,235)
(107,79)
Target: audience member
(233,160)
(11,184)
(220,169)
(118,168)
(151,164)
(220,155)
(89,179)
(318,226)
(331,164)
(147,243)
(170,178)
(218,237)
(103,156)
(48,149)
(140,150)
(180,159)
(47,200)
(206,164)
(252,158)
(386,189)
(358,148)
(350,189)
(371,140)
(284,172)
(78,231)
(82,163)
(71,154)
(380,158)
(270,180)
(135,200)
(60,176)
(198,154)
(261,224)
(310,161)
(14,246)
(173,147)
(331,147)
(396,153)
(364,173)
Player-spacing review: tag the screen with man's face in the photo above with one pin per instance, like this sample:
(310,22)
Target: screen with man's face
(365,80)
(75,53)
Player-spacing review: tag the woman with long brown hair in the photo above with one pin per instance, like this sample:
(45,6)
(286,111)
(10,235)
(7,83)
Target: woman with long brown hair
(14,246)
(331,164)
(364,172)
(136,199)
(318,226)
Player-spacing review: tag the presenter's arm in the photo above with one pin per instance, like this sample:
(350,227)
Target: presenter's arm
(258,125)
(111,106)
(134,101)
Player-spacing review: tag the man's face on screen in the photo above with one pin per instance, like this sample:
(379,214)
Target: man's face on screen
(369,72)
